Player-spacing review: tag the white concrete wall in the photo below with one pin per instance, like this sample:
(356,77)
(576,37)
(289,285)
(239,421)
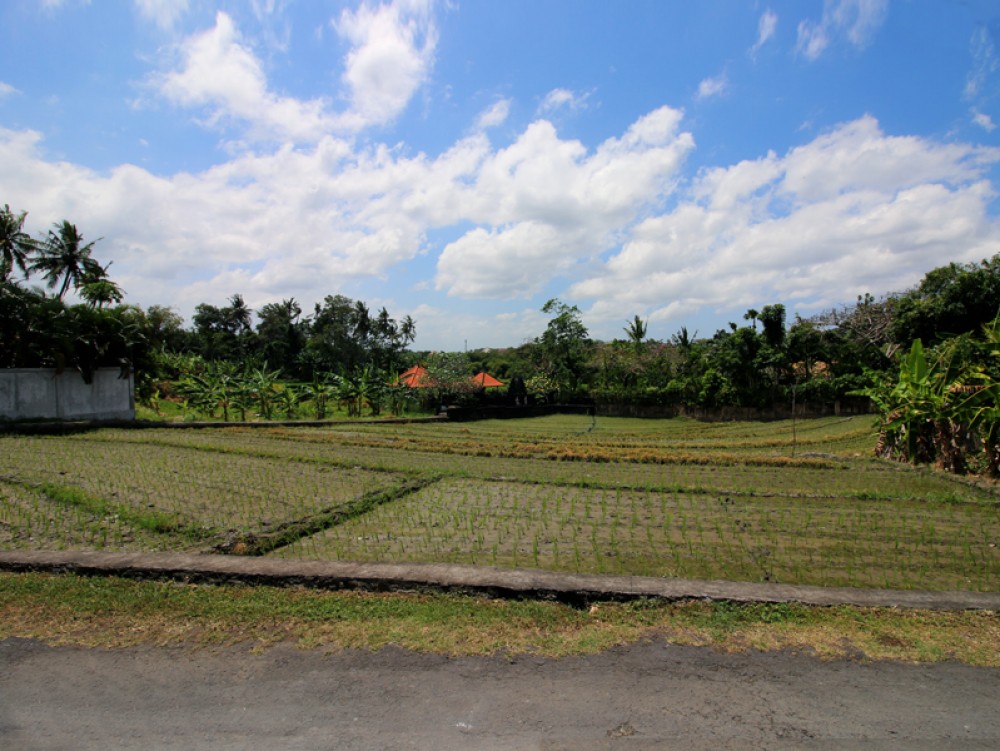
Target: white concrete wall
(34,393)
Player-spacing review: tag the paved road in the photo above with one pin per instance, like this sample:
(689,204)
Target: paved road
(646,696)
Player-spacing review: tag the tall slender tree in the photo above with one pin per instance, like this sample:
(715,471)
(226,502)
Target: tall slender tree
(16,245)
(636,331)
(65,257)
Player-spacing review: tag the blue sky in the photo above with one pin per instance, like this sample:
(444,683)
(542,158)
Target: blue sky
(463,162)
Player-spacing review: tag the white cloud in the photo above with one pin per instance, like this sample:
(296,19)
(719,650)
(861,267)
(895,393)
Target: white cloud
(392,53)
(163,13)
(855,210)
(301,221)
(220,73)
(984,121)
(494,115)
(766,27)
(286,223)
(984,62)
(850,211)
(857,20)
(558,99)
(454,332)
(712,87)
(812,39)
(544,205)
(7,90)
(513,262)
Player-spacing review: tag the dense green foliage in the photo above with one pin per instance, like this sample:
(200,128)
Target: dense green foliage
(40,331)
(943,406)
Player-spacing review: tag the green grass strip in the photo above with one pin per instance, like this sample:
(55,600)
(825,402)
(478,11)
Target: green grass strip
(157,522)
(289,532)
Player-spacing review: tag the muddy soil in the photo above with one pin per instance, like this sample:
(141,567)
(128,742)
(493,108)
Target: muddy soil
(646,696)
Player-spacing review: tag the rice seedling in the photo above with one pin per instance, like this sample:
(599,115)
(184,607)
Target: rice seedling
(835,543)
(235,495)
(660,498)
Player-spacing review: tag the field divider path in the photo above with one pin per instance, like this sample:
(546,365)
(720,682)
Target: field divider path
(253,544)
(577,589)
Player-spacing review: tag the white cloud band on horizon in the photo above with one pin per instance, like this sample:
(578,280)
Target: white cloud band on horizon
(617,228)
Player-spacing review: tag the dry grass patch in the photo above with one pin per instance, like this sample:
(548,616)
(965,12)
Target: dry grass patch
(117,613)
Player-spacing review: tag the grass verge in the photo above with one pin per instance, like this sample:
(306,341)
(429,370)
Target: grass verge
(152,521)
(64,609)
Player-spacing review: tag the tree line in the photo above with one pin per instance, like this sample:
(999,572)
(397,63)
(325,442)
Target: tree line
(938,397)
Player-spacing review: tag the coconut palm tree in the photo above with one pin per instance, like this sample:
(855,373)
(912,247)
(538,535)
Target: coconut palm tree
(636,332)
(238,315)
(16,245)
(64,256)
(97,288)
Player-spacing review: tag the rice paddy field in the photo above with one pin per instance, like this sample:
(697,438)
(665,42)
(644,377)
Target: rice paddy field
(800,503)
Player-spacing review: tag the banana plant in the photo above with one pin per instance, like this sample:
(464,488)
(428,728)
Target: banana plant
(980,398)
(939,410)
(215,388)
(288,400)
(398,394)
(320,392)
(345,392)
(263,385)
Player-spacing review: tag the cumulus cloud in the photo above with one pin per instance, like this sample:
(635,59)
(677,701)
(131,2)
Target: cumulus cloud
(391,56)
(6,90)
(543,204)
(853,211)
(511,262)
(292,221)
(218,73)
(849,211)
(301,221)
(766,27)
(855,20)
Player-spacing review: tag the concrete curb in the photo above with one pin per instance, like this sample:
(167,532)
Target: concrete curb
(482,580)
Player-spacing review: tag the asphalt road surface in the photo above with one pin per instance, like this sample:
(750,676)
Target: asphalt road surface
(648,696)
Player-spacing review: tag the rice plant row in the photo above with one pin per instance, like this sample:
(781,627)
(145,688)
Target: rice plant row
(823,541)
(836,518)
(856,478)
(236,495)
(29,518)
(848,435)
